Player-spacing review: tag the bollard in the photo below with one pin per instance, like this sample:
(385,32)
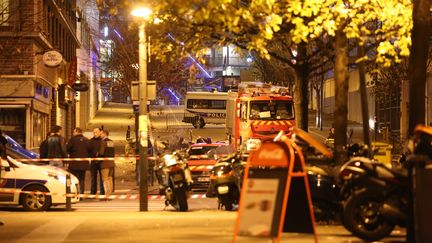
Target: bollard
(112,171)
(166,121)
(68,191)
(420,208)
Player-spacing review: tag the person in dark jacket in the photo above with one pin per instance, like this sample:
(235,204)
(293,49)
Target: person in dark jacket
(43,149)
(107,150)
(95,170)
(79,147)
(56,146)
(128,132)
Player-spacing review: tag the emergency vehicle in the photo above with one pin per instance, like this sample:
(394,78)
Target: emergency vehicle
(257,111)
(202,157)
(203,108)
(48,184)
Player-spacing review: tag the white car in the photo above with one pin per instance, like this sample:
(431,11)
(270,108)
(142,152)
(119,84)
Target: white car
(17,177)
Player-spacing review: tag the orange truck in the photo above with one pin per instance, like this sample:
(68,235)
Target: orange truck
(257,111)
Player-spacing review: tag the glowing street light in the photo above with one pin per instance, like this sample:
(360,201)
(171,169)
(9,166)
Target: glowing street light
(141,12)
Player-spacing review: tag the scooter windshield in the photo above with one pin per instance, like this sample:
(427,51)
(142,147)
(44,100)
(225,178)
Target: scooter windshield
(313,142)
(170,160)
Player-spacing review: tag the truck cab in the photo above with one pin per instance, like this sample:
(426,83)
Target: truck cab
(258,111)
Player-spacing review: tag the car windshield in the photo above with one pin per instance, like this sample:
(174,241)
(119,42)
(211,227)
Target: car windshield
(271,110)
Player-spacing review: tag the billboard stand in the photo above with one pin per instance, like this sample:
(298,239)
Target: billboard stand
(273,173)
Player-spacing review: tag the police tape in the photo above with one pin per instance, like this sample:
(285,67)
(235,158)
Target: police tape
(83,159)
(92,196)
(72,160)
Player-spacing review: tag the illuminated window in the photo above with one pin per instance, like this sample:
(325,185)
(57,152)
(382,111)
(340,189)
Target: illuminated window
(106,31)
(4,12)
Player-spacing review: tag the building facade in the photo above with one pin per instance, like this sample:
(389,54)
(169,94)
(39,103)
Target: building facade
(34,97)
(388,115)
(224,68)
(88,61)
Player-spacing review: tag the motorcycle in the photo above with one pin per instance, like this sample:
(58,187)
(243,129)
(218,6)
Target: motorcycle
(226,179)
(325,184)
(380,201)
(174,179)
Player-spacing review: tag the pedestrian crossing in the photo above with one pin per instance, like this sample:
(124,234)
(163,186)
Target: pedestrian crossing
(117,205)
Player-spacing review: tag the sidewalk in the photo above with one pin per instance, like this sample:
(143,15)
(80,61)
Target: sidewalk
(160,226)
(125,180)
(327,123)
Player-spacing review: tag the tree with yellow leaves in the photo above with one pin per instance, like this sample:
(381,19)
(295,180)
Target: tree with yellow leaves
(384,24)
(189,26)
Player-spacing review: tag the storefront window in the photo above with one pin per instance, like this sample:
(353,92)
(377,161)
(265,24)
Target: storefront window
(12,122)
(39,128)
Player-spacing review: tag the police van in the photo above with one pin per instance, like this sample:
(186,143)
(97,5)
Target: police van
(36,188)
(203,108)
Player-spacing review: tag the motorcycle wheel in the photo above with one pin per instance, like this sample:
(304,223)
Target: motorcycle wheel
(182,200)
(362,218)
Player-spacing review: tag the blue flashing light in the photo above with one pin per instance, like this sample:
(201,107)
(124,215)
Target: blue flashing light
(173,94)
(118,34)
(191,57)
(199,66)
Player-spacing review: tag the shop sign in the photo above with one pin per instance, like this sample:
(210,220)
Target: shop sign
(52,58)
(72,71)
(80,87)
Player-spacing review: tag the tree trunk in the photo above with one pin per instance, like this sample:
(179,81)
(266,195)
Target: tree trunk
(319,89)
(417,62)
(341,95)
(301,89)
(318,119)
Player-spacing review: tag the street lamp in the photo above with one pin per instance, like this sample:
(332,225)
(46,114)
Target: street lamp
(144,14)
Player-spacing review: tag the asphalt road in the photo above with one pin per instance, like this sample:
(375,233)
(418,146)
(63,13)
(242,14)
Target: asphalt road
(120,220)
(200,225)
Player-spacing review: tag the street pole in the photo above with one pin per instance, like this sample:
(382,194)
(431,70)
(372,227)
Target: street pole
(364,101)
(143,184)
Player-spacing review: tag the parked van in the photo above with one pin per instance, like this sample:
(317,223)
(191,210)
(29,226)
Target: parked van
(203,108)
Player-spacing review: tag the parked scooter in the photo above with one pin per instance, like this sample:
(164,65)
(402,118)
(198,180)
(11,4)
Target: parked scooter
(174,179)
(325,186)
(378,203)
(226,179)
(381,203)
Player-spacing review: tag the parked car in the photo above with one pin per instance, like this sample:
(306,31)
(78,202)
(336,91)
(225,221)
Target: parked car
(202,157)
(16,151)
(39,179)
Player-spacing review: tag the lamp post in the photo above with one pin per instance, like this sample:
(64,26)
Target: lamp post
(143,13)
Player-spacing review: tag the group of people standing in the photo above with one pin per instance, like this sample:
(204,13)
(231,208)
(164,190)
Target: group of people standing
(78,146)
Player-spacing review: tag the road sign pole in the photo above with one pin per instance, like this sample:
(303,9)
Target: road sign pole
(143,132)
